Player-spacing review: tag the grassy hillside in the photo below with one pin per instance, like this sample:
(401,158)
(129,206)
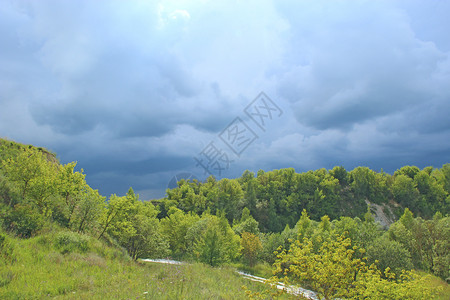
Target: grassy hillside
(68,265)
(10,148)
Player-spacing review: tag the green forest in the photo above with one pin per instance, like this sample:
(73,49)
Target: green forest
(316,229)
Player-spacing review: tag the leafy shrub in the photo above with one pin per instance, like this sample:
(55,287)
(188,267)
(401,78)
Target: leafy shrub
(68,242)
(7,194)
(386,253)
(23,220)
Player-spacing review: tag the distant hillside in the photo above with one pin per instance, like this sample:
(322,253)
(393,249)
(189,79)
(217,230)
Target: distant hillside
(10,148)
(276,198)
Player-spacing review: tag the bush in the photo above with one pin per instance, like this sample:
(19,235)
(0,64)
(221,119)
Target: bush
(68,242)
(390,254)
(23,220)
(7,195)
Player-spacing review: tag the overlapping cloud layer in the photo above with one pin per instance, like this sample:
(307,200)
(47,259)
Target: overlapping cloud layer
(134,90)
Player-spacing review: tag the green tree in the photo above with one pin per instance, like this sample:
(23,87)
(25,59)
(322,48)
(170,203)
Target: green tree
(330,271)
(428,241)
(175,228)
(432,194)
(409,171)
(133,224)
(340,174)
(217,242)
(246,224)
(348,227)
(270,243)
(250,195)
(386,253)
(8,195)
(250,247)
(145,240)
(70,185)
(445,178)
(404,191)
(23,169)
(368,230)
(88,210)
(370,185)
(304,226)
(229,198)
(325,224)
(440,236)
(33,177)
(335,270)
(115,215)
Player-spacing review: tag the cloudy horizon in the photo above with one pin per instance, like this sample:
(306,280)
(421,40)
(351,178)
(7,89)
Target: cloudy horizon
(135,90)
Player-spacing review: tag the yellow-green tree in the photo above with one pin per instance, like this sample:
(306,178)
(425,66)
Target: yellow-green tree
(374,284)
(115,215)
(33,177)
(330,271)
(335,270)
(88,210)
(133,224)
(72,186)
(250,247)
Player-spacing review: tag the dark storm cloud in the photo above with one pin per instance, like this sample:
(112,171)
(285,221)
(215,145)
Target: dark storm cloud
(360,63)
(134,90)
(138,168)
(110,73)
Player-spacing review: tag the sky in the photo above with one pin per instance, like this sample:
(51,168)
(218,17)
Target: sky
(137,92)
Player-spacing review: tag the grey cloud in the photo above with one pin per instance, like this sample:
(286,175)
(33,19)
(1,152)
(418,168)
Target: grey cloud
(158,163)
(132,92)
(355,73)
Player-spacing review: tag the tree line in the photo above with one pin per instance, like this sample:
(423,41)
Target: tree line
(276,198)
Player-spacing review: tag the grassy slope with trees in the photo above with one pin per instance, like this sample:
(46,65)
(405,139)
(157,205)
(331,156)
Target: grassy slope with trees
(68,265)
(60,238)
(55,221)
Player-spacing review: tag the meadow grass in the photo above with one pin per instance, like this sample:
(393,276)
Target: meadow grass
(41,268)
(437,282)
(262,269)
(65,265)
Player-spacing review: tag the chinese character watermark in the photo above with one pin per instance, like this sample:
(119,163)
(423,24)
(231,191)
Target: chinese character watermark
(262,108)
(238,136)
(173,183)
(213,160)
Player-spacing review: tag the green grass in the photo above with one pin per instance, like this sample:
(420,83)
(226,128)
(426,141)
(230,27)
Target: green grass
(41,268)
(439,283)
(262,269)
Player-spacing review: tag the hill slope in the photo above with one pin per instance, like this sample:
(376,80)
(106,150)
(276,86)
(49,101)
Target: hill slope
(68,265)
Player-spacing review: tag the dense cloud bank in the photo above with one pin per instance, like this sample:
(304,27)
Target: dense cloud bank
(134,91)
